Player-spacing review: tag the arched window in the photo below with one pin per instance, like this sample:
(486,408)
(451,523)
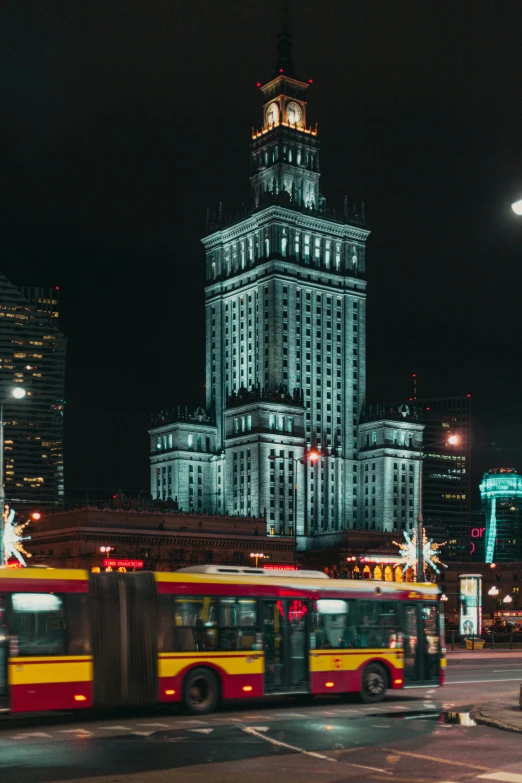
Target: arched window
(267,247)
(213,270)
(284,243)
(190,440)
(398,574)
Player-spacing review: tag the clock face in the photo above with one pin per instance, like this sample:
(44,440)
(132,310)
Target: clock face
(294,113)
(272,114)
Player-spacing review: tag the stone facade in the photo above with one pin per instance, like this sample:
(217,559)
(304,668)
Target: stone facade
(286,357)
(165,541)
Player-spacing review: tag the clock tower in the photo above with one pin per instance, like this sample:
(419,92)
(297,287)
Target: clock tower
(285,152)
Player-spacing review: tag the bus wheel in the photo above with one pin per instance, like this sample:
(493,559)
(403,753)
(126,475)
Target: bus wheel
(373,685)
(202,691)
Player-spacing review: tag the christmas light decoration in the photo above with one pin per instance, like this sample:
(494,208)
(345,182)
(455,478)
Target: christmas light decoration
(430,552)
(13,537)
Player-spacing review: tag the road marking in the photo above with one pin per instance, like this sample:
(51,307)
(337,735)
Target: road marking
(75,731)
(402,780)
(379,726)
(290,715)
(143,733)
(421,716)
(472,682)
(434,758)
(33,734)
(501,671)
(115,728)
(506,777)
(153,725)
(309,752)
(258,728)
(203,731)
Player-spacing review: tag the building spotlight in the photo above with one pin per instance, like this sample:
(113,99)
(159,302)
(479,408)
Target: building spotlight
(517,207)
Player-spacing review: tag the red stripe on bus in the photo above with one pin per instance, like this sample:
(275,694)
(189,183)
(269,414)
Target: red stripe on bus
(44,586)
(51,696)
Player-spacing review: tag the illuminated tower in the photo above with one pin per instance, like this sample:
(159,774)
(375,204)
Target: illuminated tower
(501,494)
(286,328)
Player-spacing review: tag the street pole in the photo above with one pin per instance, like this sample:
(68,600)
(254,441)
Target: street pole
(295,512)
(2,489)
(420,528)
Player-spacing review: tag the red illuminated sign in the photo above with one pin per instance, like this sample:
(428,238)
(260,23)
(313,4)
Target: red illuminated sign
(117,562)
(13,564)
(279,567)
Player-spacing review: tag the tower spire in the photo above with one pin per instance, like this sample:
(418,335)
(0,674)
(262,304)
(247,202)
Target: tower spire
(285,62)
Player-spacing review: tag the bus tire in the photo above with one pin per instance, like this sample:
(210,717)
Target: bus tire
(201,693)
(373,684)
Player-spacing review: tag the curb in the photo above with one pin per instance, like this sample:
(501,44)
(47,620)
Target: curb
(485,720)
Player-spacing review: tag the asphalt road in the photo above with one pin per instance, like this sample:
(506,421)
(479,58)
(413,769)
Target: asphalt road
(414,736)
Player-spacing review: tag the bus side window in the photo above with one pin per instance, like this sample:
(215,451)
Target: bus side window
(39,623)
(333,624)
(166,623)
(378,624)
(195,624)
(237,623)
(77,625)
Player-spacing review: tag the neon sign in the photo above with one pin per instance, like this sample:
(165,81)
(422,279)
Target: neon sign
(114,562)
(279,567)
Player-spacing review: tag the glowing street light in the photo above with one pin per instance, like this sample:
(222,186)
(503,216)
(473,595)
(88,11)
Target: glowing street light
(36,516)
(507,599)
(15,393)
(258,556)
(18,392)
(517,207)
(493,591)
(313,456)
(454,440)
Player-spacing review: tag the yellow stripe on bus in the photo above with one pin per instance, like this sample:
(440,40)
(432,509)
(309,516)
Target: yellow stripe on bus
(44,574)
(34,671)
(331,660)
(171,664)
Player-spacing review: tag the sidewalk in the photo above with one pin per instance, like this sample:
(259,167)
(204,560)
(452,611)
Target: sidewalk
(484,654)
(505,714)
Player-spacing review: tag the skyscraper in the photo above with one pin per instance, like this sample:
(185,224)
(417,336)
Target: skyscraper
(446,475)
(32,353)
(285,348)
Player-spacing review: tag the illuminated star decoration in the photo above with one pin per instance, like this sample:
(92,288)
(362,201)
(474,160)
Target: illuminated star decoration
(13,537)
(430,552)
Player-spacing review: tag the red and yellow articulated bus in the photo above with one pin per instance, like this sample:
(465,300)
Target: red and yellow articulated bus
(74,640)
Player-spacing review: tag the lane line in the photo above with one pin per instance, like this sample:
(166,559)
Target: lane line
(501,671)
(472,682)
(434,758)
(506,777)
(310,752)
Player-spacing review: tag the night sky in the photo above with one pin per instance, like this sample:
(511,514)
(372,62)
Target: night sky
(123,121)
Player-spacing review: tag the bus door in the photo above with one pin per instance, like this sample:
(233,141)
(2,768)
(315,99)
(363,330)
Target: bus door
(421,644)
(285,634)
(3,653)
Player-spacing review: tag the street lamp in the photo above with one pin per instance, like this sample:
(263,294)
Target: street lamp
(15,393)
(493,591)
(517,207)
(313,455)
(507,599)
(452,440)
(258,556)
